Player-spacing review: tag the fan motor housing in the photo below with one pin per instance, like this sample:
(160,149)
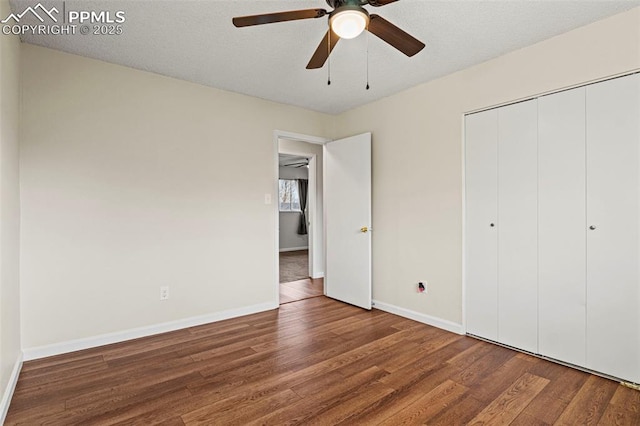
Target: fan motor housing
(337,3)
(344,7)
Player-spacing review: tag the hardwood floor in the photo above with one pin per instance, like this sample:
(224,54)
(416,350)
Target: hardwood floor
(315,361)
(301,289)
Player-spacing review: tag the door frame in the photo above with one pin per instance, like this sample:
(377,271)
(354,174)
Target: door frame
(316,240)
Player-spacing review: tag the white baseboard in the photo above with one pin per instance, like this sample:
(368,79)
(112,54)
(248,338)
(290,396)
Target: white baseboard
(121,336)
(319,274)
(293,249)
(8,391)
(417,316)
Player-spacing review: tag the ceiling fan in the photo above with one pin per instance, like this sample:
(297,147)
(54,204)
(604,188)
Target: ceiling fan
(297,165)
(347,20)
(295,162)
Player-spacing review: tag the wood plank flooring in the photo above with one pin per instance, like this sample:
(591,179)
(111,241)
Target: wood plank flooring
(301,289)
(316,362)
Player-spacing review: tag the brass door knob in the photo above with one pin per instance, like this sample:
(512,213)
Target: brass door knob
(364,229)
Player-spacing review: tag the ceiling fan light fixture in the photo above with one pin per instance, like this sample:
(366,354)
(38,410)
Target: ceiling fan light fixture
(349,23)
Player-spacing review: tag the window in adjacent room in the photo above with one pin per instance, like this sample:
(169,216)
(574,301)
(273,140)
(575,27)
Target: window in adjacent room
(288,195)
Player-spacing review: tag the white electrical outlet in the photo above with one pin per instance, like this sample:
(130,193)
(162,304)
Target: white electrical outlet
(164,292)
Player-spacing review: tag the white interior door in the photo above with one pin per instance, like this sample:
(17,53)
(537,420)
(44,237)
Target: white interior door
(518,226)
(613,234)
(481,214)
(347,203)
(562,226)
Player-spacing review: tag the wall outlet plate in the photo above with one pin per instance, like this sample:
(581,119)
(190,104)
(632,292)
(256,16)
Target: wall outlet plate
(164,292)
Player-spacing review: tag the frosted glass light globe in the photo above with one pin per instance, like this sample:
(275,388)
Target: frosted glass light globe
(349,23)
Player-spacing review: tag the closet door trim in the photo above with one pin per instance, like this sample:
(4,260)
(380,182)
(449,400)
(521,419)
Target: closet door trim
(552,92)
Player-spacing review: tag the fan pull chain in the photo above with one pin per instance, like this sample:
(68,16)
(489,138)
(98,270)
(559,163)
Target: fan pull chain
(329,57)
(367,60)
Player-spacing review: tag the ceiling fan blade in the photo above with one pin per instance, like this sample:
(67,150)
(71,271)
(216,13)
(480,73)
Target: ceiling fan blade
(378,3)
(322,52)
(269,18)
(393,35)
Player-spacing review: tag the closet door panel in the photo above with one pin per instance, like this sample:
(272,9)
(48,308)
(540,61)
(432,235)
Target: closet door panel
(562,226)
(481,201)
(613,255)
(517,226)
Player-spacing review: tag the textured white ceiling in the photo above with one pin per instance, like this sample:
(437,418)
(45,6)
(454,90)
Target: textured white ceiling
(194,40)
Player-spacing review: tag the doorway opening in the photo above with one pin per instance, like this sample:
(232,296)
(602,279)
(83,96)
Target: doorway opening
(293,211)
(299,225)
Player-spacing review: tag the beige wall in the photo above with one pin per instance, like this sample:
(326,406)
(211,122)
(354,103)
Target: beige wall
(9,204)
(129,182)
(417,154)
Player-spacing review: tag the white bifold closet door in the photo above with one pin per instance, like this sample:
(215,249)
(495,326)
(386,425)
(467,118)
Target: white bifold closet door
(481,211)
(613,235)
(562,226)
(517,226)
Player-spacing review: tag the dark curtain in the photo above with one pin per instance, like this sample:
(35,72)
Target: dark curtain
(303,184)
